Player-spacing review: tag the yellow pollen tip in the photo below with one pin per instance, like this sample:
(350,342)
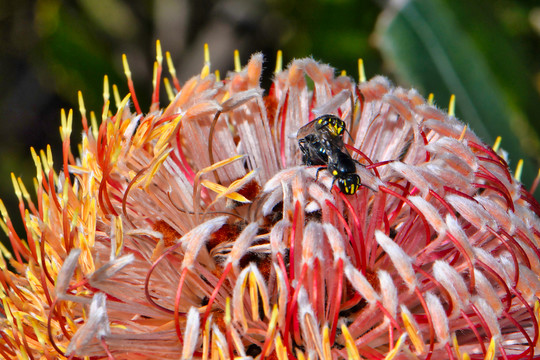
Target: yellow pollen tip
(125,64)
(490,354)
(44,162)
(50,161)
(223,191)
(168,89)
(281,351)
(170,64)
(497,144)
(537,313)
(273,318)
(456,346)
(205,71)
(361,71)
(65,196)
(116,95)
(156,164)
(37,163)
(154,75)
(206,339)
(206,54)
(118,234)
(106,93)
(431,99)
(218,77)
(41,336)
(279,62)
(343,72)
(159,53)
(4,212)
(253,295)
(452,105)
(105,112)
(327,352)
(25,192)
(94,124)
(227,317)
(463,132)
(63,124)
(413,333)
(69,126)
(206,68)
(243,318)
(221,163)
(66,124)
(6,306)
(16,187)
(519,170)
(5,252)
(19,322)
(226,97)
(237,65)
(82,108)
(352,351)
(397,347)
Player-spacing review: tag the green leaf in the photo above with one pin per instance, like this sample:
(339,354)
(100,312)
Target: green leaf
(431,50)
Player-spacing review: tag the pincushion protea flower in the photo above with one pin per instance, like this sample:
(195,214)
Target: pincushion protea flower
(193,231)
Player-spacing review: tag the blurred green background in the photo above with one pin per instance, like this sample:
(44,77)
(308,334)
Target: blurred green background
(487,52)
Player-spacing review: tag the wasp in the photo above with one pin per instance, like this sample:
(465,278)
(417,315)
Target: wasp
(321,143)
(318,136)
(343,168)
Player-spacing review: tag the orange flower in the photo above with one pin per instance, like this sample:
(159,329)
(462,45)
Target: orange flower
(193,231)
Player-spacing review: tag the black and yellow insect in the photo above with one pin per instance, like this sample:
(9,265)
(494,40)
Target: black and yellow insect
(321,143)
(318,136)
(343,168)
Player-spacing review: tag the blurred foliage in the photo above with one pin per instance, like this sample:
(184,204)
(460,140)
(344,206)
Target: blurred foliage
(444,48)
(53,48)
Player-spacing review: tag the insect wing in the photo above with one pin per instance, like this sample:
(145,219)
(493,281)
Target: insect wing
(306,130)
(313,150)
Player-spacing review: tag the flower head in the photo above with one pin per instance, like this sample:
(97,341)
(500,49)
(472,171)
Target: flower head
(193,231)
